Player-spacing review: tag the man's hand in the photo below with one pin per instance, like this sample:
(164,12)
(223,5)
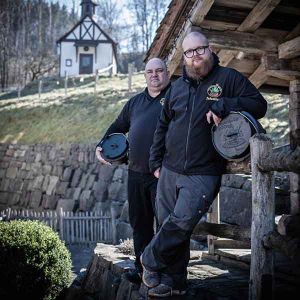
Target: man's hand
(99,157)
(216,119)
(156,173)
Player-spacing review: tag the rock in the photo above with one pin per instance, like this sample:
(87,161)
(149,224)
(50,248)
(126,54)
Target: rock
(233,180)
(124,231)
(3,197)
(106,173)
(85,201)
(67,174)
(62,188)
(114,189)
(100,191)
(235,206)
(90,182)
(65,204)
(37,182)
(35,199)
(11,172)
(125,213)
(76,178)
(49,201)
(52,184)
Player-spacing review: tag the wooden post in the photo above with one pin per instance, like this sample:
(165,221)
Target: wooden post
(95,86)
(40,88)
(263,216)
(294,117)
(61,223)
(130,71)
(213,216)
(66,82)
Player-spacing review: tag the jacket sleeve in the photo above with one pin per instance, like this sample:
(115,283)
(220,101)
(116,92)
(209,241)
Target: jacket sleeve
(158,148)
(121,123)
(246,98)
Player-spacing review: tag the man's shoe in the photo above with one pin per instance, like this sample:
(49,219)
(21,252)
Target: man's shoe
(163,290)
(150,278)
(133,276)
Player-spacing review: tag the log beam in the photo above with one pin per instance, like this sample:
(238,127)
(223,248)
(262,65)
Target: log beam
(289,49)
(280,161)
(259,76)
(234,232)
(294,118)
(287,245)
(263,214)
(258,14)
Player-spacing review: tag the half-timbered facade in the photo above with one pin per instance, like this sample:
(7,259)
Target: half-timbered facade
(86,48)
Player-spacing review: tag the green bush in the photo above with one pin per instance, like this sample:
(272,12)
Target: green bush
(34,262)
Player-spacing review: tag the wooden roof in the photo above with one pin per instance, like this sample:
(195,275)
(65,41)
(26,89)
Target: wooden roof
(259,38)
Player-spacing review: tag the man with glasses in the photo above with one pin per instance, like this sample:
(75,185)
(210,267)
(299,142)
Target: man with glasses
(182,156)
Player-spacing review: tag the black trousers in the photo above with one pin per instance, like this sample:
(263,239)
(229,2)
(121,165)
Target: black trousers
(141,199)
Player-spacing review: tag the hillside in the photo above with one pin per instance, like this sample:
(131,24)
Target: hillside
(82,116)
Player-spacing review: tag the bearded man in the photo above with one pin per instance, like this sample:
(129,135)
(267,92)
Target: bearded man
(182,156)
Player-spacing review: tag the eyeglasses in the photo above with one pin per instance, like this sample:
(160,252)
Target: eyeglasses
(190,53)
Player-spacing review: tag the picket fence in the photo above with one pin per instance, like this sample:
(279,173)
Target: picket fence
(79,227)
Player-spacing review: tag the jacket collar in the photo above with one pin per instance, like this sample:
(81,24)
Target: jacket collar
(162,92)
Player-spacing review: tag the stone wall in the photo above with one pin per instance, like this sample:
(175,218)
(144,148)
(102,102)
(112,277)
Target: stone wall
(50,176)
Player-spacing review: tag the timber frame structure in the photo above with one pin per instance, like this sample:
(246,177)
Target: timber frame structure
(260,39)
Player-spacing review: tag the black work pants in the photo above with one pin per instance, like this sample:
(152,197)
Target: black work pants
(141,199)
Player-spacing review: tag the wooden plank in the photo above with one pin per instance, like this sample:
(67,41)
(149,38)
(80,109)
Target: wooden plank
(240,41)
(289,49)
(218,25)
(263,215)
(226,56)
(236,254)
(258,15)
(245,65)
(294,33)
(230,244)
(236,4)
(259,77)
(223,230)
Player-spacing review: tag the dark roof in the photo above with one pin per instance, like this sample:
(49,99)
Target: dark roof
(248,35)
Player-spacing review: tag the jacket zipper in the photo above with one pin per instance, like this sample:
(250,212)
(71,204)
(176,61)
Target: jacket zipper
(188,134)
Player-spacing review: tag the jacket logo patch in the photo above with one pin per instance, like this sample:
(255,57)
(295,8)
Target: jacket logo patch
(213,92)
(162,101)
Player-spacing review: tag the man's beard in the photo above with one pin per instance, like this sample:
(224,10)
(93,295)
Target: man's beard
(198,72)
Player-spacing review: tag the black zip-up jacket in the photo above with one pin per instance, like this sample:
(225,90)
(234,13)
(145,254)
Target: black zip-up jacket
(138,118)
(182,140)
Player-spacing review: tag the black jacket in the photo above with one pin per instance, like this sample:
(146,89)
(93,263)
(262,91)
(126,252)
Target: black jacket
(138,118)
(182,140)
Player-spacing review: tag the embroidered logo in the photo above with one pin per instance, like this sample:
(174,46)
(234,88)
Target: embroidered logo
(213,92)
(162,101)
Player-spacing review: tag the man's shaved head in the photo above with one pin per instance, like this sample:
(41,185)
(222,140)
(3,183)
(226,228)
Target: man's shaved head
(155,61)
(194,36)
(156,76)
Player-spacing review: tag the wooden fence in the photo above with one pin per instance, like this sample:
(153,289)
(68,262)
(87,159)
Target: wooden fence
(79,227)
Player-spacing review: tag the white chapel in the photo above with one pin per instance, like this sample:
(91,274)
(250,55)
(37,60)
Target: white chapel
(86,48)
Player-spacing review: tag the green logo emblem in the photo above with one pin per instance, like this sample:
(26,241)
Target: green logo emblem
(214,91)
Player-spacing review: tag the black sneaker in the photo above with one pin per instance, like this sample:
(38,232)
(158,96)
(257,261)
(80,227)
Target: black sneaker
(150,278)
(133,276)
(162,290)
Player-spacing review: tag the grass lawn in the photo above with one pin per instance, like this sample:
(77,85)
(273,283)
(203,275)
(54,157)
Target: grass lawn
(82,116)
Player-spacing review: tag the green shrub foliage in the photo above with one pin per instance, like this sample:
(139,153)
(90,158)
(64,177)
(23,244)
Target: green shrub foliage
(34,262)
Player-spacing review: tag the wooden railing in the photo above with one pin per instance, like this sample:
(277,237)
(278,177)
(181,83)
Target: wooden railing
(79,227)
(265,237)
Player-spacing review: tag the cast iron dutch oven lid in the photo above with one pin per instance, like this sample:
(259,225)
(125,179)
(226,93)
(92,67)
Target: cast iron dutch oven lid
(231,137)
(114,147)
